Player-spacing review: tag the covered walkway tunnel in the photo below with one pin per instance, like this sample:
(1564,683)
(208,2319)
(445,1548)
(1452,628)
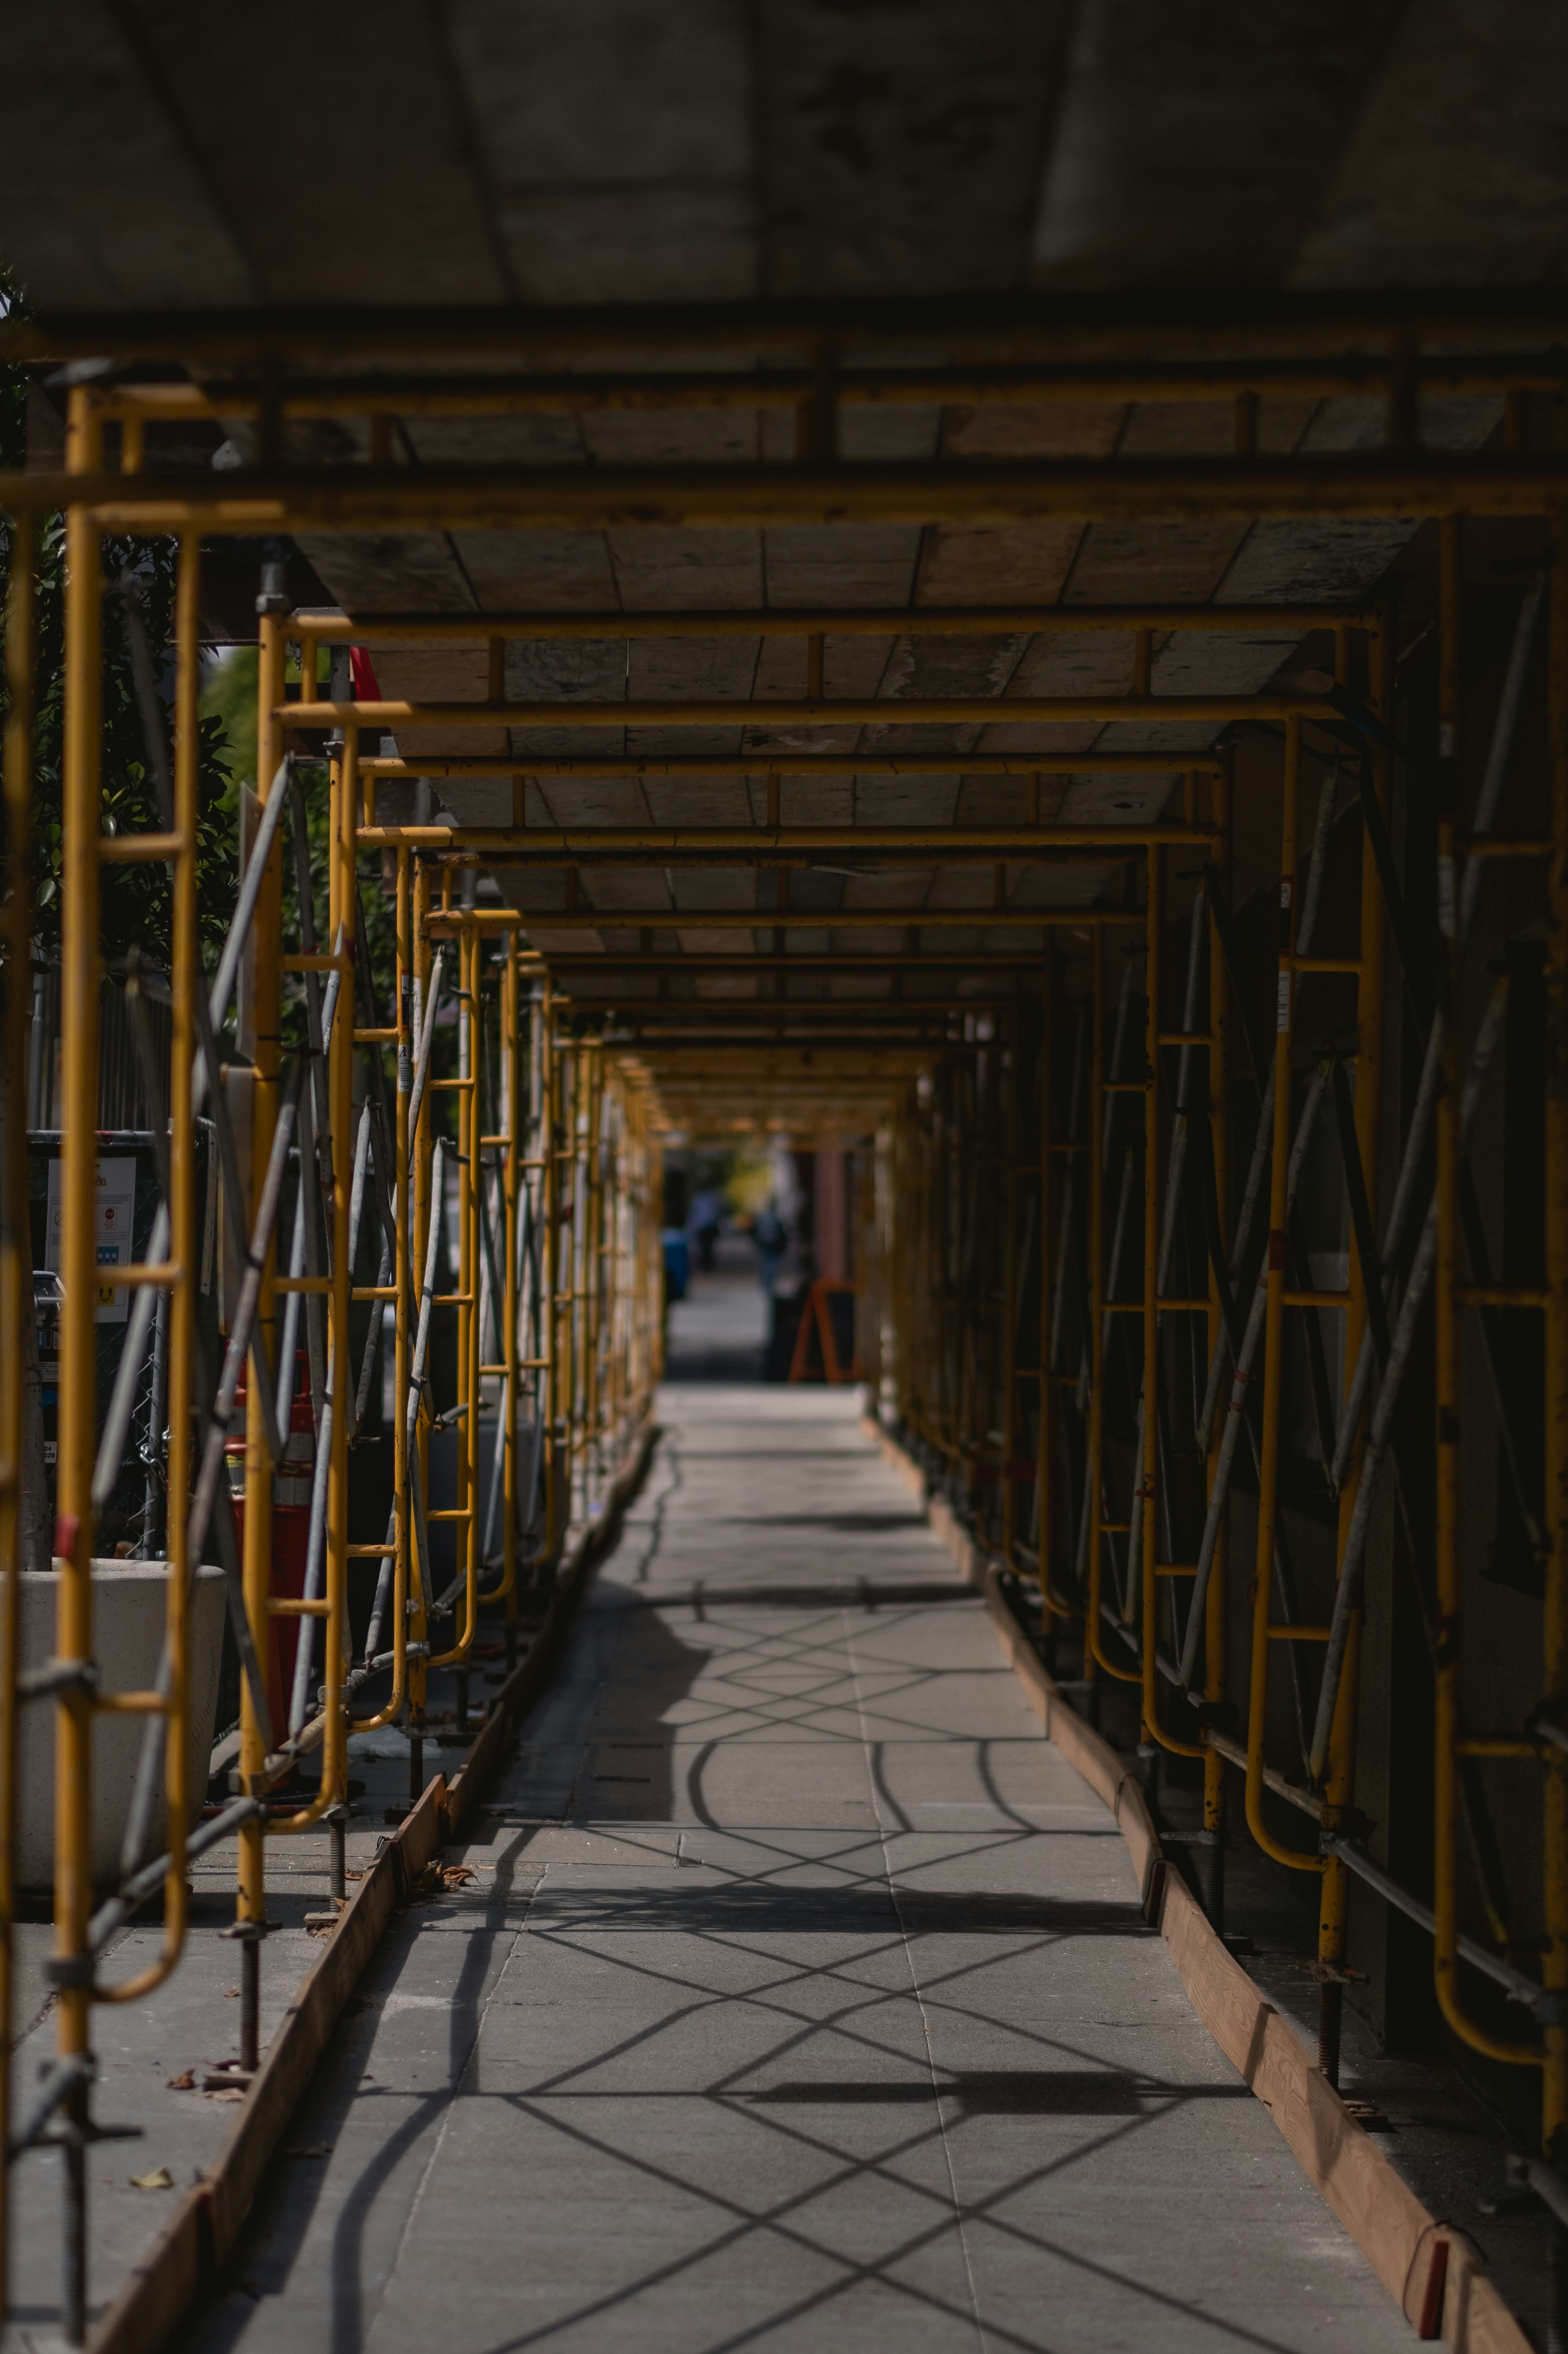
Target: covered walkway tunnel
(784,1209)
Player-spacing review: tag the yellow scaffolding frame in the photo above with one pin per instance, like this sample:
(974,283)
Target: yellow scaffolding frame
(580,1169)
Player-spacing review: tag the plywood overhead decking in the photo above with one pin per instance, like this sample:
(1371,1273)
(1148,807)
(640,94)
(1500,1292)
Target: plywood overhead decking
(717,162)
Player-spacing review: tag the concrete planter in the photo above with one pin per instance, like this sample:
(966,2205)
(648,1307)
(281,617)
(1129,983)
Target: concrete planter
(128,1608)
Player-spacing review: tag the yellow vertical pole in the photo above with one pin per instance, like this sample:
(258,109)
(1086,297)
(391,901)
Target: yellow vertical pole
(1445,1795)
(1339,1781)
(548,1313)
(615,1246)
(341,929)
(513,1131)
(80,976)
(1045,1402)
(1008,1079)
(266,998)
(1554,1639)
(1096,1660)
(585,1281)
(187,977)
(1094,1244)
(571,1220)
(1273,1321)
(405,1310)
(1148,1524)
(598,1277)
(16,1254)
(465,1489)
(419,1162)
(471,1178)
(1153,1470)
(1450,1622)
(1216,1663)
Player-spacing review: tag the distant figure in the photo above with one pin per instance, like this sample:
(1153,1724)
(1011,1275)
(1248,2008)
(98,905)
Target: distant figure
(677,1264)
(771,1237)
(702,1221)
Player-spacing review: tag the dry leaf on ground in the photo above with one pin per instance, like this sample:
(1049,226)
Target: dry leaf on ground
(181,2083)
(160,2178)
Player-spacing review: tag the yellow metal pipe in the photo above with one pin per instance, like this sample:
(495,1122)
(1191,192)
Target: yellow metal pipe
(421,1149)
(16,1254)
(464,1511)
(1554,1631)
(546,849)
(187,976)
(333,1606)
(1340,1783)
(1022,384)
(546,1083)
(1215,1613)
(1274,1325)
(405,1310)
(1010,1078)
(80,972)
(506,1307)
(265,1001)
(1153,1470)
(843,621)
(836,919)
(1387,327)
(774,765)
(1095,1657)
(1445,1876)
(1045,1419)
(856,711)
(606,498)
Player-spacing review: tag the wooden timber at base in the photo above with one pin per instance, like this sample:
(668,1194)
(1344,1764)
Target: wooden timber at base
(1395,2232)
(194,2248)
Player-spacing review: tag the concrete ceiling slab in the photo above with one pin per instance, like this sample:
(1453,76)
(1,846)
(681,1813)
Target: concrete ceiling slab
(1458,170)
(494,151)
(409,220)
(115,214)
(617,137)
(902,142)
(1195,143)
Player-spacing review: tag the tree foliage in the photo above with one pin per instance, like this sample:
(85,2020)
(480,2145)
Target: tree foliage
(136,900)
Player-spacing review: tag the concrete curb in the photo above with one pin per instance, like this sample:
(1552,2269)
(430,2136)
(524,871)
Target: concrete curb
(1399,2238)
(201,2236)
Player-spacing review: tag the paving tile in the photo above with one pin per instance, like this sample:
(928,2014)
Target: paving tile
(801,1995)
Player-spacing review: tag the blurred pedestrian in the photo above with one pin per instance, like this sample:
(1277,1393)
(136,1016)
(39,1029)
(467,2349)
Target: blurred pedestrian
(771,1237)
(702,1221)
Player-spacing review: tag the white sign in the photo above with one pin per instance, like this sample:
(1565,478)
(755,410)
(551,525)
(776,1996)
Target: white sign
(112,1233)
